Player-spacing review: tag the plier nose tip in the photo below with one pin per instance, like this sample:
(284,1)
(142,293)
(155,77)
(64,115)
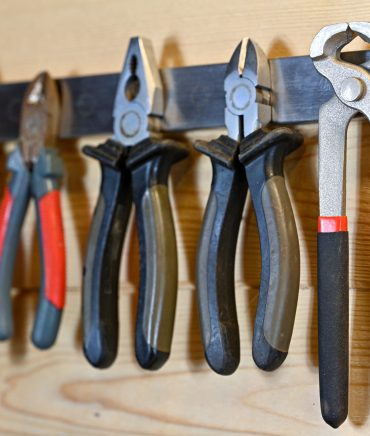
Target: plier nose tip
(249,61)
(238,58)
(140,81)
(42,91)
(40,116)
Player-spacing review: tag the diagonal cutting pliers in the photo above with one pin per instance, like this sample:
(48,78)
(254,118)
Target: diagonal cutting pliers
(351,84)
(250,156)
(35,168)
(135,165)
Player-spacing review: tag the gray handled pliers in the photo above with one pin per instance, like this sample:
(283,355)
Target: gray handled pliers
(250,156)
(35,169)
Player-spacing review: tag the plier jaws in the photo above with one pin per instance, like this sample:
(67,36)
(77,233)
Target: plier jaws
(39,117)
(350,82)
(247,90)
(139,96)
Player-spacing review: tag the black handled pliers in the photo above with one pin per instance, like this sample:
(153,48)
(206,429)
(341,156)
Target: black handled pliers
(250,156)
(35,169)
(351,84)
(134,165)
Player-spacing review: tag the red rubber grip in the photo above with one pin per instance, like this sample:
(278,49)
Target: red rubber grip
(53,248)
(5,211)
(331,224)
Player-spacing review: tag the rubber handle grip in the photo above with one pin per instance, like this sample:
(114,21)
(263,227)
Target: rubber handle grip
(333,290)
(263,155)
(12,212)
(53,267)
(102,264)
(45,175)
(215,268)
(150,164)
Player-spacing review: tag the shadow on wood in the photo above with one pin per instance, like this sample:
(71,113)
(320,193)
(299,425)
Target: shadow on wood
(360,280)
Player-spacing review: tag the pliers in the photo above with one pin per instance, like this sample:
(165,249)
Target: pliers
(35,168)
(134,165)
(351,84)
(250,156)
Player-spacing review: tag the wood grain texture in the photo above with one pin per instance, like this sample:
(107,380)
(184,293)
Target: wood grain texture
(56,392)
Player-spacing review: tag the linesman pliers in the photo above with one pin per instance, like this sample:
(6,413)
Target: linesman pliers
(34,172)
(250,156)
(351,84)
(134,165)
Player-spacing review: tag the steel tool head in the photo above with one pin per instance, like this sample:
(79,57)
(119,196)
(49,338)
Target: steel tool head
(247,90)
(139,93)
(351,82)
(39,116)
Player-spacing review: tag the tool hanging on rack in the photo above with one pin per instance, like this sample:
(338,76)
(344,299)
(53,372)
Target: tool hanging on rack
(134,165)
(351,84)
(250,156)
(35,169)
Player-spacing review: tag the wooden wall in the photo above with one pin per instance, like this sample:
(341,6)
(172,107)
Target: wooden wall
(57,392)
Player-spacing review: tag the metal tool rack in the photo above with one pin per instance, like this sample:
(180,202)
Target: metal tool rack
(194,97)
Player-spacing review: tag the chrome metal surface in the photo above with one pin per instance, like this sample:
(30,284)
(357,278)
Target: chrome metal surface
(351,84)
(139,93)
(326,55)
(333,123)
(352,89)
(39,117)
(247,90)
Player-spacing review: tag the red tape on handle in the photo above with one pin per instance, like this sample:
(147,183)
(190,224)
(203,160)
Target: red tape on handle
(331,224)
(53,248)
(5,211)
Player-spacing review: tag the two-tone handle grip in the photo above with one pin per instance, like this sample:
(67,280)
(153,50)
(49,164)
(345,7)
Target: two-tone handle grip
(12,212)
(103,256)
(46,173)
(333,318)
(216,256)
(262,154)
(150,163)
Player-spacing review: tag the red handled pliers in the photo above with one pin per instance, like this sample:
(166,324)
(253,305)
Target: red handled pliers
(34,172)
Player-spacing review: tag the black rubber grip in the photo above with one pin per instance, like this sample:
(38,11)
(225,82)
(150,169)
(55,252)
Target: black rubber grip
(262,154)
(333,317)
(102,263)
(216,256)
(150,164)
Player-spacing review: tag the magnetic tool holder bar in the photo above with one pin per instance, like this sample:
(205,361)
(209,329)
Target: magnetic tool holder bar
(194,97)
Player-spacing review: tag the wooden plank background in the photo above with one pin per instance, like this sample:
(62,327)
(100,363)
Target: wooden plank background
(57,392)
